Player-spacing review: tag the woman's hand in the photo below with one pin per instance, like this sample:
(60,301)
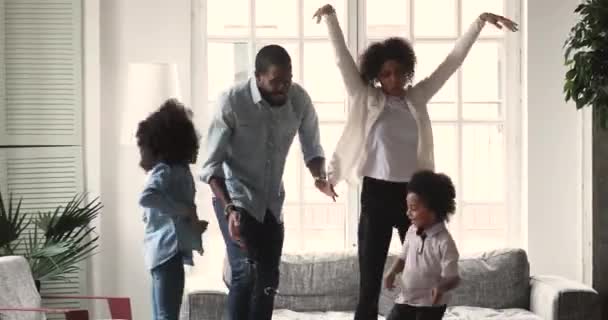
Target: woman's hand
(326,187)
(323,11)
(499,21)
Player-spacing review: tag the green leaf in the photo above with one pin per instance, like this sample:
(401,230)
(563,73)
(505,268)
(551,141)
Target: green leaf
(571,74)
(12,224)
(51,250)
(586,57)
(60,240)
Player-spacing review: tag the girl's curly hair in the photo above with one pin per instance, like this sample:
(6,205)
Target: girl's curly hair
(397,49)
(169,134)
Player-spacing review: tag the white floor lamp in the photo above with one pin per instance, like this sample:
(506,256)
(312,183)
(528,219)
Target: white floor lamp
(148,86)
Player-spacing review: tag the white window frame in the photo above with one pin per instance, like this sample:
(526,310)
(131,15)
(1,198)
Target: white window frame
(356,38)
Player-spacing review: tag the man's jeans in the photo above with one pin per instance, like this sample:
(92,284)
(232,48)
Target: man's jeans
(255,270)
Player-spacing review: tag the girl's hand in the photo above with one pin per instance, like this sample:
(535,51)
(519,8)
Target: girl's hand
(323,11)
(499,21)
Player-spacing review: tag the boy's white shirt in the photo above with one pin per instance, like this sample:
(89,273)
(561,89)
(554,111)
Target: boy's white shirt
(426,266)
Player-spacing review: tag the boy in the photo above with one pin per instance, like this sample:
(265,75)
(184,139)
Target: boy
(429,259)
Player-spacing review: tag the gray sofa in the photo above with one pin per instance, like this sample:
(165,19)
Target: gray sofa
(496,285)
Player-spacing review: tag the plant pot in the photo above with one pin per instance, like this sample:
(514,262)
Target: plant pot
(37,283)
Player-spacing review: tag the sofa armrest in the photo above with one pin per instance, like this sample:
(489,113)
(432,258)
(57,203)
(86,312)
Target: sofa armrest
(556,298)
(206,304)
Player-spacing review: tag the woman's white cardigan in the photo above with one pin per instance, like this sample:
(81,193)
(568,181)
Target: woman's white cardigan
(367,102)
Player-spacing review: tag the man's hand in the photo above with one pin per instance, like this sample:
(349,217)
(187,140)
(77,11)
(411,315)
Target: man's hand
(234,224)
(324,186)
(192,213)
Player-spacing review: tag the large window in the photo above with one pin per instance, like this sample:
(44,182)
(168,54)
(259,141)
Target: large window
(471,115)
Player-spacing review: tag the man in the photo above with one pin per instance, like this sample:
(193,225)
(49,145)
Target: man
(248,141)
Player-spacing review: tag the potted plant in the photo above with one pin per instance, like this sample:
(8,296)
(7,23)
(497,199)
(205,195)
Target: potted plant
(586,56)
(54,242)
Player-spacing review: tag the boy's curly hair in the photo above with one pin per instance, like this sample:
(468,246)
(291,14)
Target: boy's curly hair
(436,191)
(169,134)
(397,49)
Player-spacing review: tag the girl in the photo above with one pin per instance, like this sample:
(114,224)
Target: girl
(168,144)
(387,137)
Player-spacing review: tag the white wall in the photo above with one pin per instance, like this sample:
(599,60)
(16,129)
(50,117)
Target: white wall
(554,145)
(131,31)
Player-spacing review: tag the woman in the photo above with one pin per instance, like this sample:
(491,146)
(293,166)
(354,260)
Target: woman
(387,137)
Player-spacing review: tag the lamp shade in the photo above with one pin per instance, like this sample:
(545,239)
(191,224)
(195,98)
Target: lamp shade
(148,86)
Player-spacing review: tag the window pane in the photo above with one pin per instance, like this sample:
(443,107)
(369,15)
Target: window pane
(446,150)
(292,222)
(294,53)
(482,73)
(483,162)
(331,111)
(227,64)
(482,111)
(484,217)
(471,9)
(311,28)
(387,18)
(435,18)
(291,175)
(454,224)
(443,111)
(396,245)
(322,79)
(484,228)
(269,23)
(228,17)
(330,133)
(430,55)
(323,228)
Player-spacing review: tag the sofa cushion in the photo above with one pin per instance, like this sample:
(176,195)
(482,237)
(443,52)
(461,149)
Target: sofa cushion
(316,303)
(284,314)
(453,313)
(315,274)
(497,279)
(328,281)
(474,313)
(319,274)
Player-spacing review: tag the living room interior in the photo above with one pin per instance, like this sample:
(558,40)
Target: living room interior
(529,166)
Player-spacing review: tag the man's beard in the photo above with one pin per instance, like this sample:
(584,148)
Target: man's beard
(271,100)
